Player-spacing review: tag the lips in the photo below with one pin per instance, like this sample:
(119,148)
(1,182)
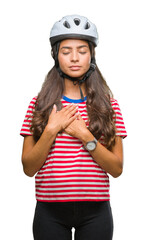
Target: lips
(75,67)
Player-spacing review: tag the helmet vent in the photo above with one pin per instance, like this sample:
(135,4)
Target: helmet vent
(87,26)
(77,21)
(66,24)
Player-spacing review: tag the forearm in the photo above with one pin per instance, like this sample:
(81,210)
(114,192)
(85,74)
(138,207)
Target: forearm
(34,159)
(35,154)
(111,162)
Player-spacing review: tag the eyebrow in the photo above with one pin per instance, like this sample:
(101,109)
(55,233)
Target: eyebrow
(81,46)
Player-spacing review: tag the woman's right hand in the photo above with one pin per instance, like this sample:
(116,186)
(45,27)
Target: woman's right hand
(59,120)
(34,154)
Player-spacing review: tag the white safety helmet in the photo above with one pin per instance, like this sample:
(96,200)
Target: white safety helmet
(74,26)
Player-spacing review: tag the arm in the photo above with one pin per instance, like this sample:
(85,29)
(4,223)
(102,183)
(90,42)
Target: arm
(110,161)
(34,154)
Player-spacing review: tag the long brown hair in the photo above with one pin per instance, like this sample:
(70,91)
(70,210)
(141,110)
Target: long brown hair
(99,108)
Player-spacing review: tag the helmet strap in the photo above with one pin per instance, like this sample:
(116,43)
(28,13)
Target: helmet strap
(77,80)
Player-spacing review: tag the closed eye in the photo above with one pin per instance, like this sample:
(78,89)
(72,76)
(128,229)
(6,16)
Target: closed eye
(83,52)
(66,53)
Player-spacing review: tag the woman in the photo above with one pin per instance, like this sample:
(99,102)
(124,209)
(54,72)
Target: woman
(73,134)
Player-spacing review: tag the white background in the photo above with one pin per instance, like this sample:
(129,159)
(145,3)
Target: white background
(25,60)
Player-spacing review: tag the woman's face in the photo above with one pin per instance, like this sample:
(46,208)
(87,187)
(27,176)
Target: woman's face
(74,57)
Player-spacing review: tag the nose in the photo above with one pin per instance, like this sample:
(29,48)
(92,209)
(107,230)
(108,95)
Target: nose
(74,56)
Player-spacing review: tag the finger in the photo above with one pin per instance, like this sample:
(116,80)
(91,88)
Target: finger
(71,119)
(69,108)
(54,110)
(72,112)
(69,111)
(78,116)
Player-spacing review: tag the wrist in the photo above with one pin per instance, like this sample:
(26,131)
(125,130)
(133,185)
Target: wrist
(86,137)
(50,131)
(89,141)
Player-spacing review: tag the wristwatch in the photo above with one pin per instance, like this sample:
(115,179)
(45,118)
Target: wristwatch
(91,145)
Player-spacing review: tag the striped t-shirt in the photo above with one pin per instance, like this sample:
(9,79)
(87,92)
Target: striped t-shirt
(69,172)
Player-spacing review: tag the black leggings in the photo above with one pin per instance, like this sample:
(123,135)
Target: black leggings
(91,220)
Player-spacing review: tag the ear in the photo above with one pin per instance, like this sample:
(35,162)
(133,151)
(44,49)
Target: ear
(52,53)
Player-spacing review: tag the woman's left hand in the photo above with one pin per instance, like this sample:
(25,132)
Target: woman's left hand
(77,127)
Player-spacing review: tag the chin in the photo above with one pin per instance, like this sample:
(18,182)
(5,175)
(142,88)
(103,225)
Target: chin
(76,75)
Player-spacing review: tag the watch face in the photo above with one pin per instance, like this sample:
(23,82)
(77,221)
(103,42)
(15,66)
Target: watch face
(91,146)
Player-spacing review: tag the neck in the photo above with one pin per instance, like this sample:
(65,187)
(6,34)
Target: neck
(73,91)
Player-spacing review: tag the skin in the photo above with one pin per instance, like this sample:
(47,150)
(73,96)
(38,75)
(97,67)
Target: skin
(74,59)
(74,53)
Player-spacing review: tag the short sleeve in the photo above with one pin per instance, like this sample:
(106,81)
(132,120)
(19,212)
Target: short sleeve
(25,129)
(118,119)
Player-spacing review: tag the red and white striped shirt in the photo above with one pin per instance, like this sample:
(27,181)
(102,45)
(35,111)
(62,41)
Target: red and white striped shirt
(69,172)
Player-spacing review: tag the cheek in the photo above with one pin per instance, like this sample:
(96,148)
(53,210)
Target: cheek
(62,62)
(87,61)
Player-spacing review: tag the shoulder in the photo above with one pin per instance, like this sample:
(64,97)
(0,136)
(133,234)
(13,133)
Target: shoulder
(115,104)
(118,119)
(33,102)
(34,99)
(116,108)
(113,101)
